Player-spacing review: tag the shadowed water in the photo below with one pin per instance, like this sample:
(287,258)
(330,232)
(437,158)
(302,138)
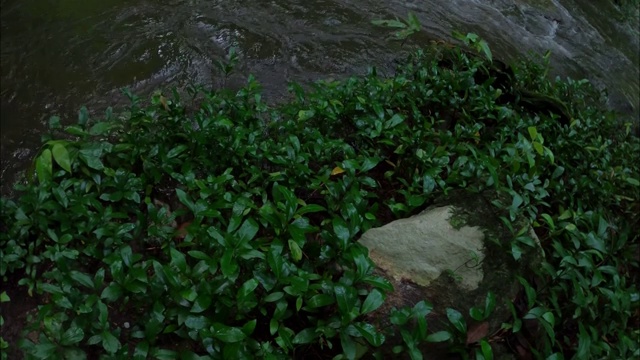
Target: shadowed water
(60,54)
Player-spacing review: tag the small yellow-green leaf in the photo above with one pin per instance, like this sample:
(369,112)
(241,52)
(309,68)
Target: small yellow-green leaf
(296,252)
(533,132)
(570,227)
(305,114)
(565,215)
(337,170)
(485,49)
(539,148)
(61,156)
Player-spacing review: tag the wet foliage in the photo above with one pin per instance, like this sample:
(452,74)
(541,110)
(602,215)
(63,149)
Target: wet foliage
(228,229)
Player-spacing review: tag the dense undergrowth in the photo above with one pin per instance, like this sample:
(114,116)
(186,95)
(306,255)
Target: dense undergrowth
(228,230)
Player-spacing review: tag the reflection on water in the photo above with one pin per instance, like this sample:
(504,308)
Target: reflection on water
(60,54)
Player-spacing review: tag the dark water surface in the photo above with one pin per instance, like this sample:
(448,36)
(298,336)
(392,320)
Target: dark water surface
(58,55)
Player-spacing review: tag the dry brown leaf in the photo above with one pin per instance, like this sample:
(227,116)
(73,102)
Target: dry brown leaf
(163,101)
(182,231)
(477,332)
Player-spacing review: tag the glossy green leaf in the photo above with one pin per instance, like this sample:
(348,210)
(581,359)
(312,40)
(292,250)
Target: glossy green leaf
(112,292)
(298,303)
(228,264)
(311,208)
(141,351)
(44,351)
(100,128)
(189,294)
(274,296)
(164,354)
(487,351)
(127,255)
(342,232)
(202,303)
(196,322)
(489,303)
(320,300)
(249,327)
(82,279)
(103,314)
(247,288)
(379,282)
(50,288)
(346,298)
(305,336)
(395,120)
(632,181)
(75,130)
(276,262)
(296,252)
(228,334)
(185,199)
(348,346)
(400,317)
(455,318)
(178,259)
(44,166)
(196,254)
(248,230)
(110,343)
(176,151)
(72,336)
(476,314)
(61,156)
(439,336)
(370,333)
(373,301)
(273,326)
(83,116)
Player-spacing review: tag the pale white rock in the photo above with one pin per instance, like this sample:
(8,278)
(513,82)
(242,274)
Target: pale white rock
(422,247)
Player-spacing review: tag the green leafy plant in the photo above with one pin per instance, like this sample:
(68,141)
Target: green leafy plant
(229,230)
(3,344)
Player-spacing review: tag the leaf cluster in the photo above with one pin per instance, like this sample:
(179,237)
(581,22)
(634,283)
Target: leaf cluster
(229,230)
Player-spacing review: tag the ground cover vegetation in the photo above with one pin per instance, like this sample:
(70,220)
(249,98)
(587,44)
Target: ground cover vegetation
(221,227)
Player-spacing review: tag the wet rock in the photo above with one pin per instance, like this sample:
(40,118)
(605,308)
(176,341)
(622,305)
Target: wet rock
(422,247)
(450,255)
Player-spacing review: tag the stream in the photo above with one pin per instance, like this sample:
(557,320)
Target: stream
(58,55)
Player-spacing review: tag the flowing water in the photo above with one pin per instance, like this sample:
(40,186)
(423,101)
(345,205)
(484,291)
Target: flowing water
(58,55)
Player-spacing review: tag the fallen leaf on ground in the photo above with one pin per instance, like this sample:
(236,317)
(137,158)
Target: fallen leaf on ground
(337,170)
(477,332)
